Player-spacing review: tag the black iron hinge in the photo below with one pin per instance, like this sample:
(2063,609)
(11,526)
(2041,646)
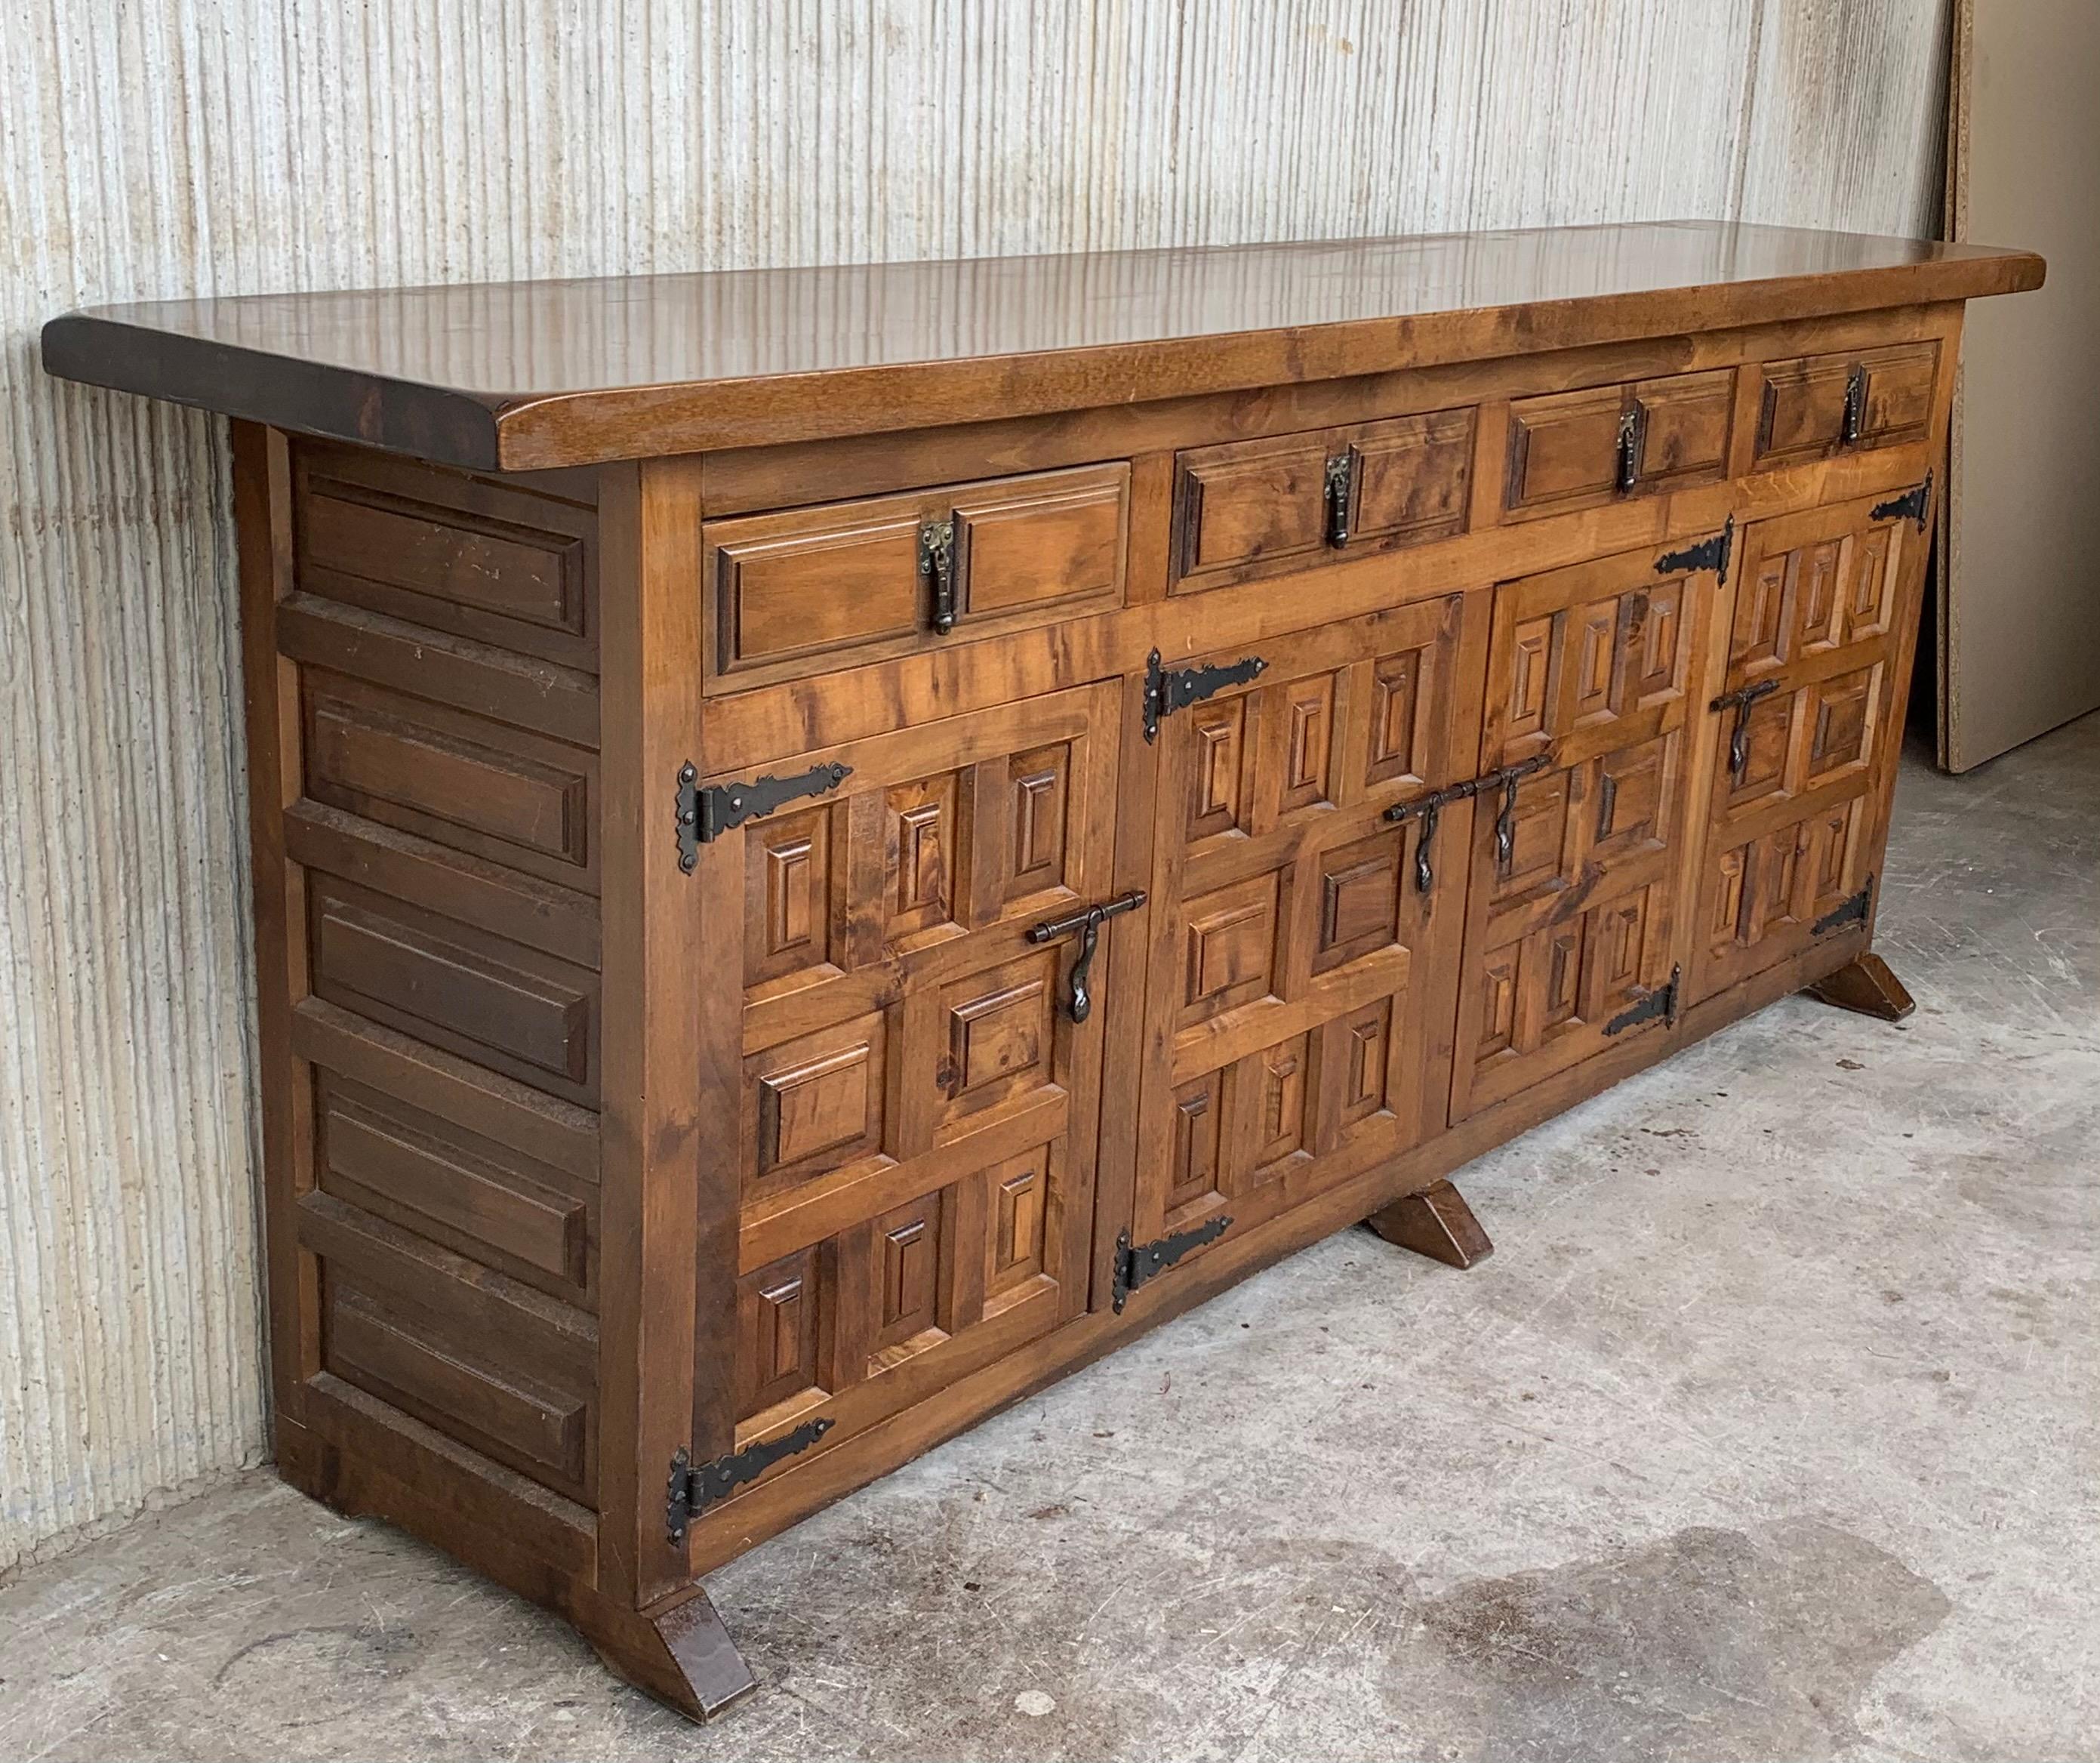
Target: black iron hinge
(1708,553)
(694,1487)
(1851,911)
(1136,1263)
(1660,1005)
(705,814)
(1915,505)
(1169,689)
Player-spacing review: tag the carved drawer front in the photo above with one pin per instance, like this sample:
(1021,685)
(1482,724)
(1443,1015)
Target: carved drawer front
(920,1109)
(1298,971)
(1579,449)
(815,588)
(1570,933)
(1816,405)
(1254,508)
(1805,730)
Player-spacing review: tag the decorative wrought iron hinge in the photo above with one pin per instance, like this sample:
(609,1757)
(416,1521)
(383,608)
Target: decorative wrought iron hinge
(1851,911)
(1167,689)
(1914,505)
(694,1487)
(1660,1004)
(1136,1263)
(705,814)
(1341,482)
(1708,553)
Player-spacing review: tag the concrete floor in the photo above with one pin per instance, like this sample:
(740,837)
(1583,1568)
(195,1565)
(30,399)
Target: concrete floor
(1771,1431)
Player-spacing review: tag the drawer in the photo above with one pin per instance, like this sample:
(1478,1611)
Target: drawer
(1579,449)
(1248,509)
(1817,405)
(814,588)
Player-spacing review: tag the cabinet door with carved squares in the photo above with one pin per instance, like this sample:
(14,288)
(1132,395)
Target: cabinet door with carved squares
(1298,1000)
(919,1112)
(1805,726)
(1577,862)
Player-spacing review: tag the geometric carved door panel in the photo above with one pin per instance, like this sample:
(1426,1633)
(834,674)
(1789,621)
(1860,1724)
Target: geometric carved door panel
(919,1112)
(1805,727)
(1299,984)
(1576,864)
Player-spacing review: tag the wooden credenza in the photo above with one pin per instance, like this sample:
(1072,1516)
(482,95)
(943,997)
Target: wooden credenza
(830,844)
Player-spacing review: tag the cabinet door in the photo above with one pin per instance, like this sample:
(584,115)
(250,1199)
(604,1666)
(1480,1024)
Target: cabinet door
(1299,995)
(1570,924)
(917,1114)
(1805,729)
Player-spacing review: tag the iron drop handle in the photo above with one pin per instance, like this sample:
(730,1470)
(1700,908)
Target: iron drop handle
(1856,407)
(936,564)
(1739,741)
(1341,482)
(1630,439)
(1080,1001)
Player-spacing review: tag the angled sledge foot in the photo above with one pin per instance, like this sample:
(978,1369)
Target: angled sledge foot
(1865,985)
(1436,1222)
(683,1656)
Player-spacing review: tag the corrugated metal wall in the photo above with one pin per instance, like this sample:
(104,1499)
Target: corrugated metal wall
(168,146)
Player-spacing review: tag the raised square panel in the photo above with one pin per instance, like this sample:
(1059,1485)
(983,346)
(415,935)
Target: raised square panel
(786,896)
(1774,869)
(1359,899)
(923,852)
(1018,1192)
(1230,946)
(1279,1075)
(910,1252)
(1565,448)
(777,1334)
(1830,845)
(1531,655)
(1412,477)
(999,1031)
(1245,502)
(1360,1043)
(1217,735)
(1559,952)
(1539,832)
(816,1101)
(1818,601)
(1759,640)
(1724,898)
(1870,598)
(1684,426)
(1497,1002)
(1040,780)
(1616,948)
(1596,651)
(1841,711)
(1198,1128)
(1764,769)
(1397,733)
(1632,787)
(1655,645)
(1305,712)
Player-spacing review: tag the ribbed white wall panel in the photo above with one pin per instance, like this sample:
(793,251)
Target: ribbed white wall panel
(168,146)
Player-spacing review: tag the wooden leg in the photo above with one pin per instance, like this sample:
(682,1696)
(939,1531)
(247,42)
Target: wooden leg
(1436,1222)
(1865,984)
(683,1656)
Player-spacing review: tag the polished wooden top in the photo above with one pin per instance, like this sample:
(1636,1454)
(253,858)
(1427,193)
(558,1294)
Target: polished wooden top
(527,374)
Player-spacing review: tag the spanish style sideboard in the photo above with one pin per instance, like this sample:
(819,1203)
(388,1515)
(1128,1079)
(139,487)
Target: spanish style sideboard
(830,844)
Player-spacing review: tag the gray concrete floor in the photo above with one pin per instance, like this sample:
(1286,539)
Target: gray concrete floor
(1771,1431)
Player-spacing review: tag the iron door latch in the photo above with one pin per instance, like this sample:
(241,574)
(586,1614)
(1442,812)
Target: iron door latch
(1079,1002)
(1136,1263)
(936,564)
(1631,430)
(694,1487)
(1341,493)
(1167,689)
(705,814)
(1855,408)
(1742,699)
(1428,809)
(1660,1005)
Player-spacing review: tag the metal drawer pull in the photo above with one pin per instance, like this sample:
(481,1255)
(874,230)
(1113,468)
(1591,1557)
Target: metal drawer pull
(1341,487)
(936,564)
(1855,406)
(1629,434)
(1080,1004)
